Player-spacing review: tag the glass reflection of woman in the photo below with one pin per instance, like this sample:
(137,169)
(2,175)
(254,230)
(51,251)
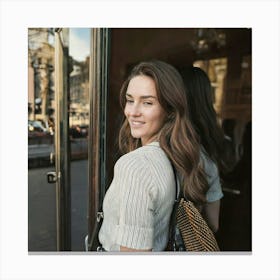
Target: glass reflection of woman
(155,133)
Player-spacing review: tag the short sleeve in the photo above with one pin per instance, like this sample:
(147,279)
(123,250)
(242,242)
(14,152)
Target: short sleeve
(212,174)
(137,205)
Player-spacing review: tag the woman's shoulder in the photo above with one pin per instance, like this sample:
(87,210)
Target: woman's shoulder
(143,157)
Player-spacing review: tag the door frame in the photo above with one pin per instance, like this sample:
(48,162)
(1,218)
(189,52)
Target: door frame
(98,96)
(62,144)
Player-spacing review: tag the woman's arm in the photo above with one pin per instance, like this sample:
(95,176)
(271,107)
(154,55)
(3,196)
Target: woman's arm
(126,249)
(211,212)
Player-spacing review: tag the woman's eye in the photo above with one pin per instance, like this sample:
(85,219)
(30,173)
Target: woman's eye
(148,103)
(129,101)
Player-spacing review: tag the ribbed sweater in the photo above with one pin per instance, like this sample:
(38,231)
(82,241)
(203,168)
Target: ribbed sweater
(139,201)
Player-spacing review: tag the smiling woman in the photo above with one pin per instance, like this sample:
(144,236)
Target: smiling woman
(155,135)
(142,110)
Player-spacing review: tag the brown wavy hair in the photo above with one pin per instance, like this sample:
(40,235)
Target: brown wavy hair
(177,137)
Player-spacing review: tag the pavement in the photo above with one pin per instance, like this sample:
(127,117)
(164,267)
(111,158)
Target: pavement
(42,208)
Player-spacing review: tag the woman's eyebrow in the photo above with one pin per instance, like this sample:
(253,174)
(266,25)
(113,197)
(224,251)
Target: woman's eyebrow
(142,96)
(147,96)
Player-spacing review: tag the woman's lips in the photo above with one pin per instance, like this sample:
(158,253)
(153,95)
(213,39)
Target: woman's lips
(136,124)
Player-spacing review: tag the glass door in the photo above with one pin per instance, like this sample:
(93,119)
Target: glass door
(67,111)
(42,234)
(79,62)
(71,146)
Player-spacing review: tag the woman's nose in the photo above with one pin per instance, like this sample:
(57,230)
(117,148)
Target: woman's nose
(135,110)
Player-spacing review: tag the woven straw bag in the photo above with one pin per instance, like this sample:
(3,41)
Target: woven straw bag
(196,234)
(188,231)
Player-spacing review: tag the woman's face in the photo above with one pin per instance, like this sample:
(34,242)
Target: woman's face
(142,110)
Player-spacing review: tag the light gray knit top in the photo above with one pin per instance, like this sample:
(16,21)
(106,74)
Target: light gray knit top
(139,201)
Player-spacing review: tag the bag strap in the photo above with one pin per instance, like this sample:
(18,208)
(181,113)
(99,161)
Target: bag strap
(173,219)
(94,242)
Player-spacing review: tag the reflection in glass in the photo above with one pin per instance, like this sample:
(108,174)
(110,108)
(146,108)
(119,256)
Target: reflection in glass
(41,109)
(41,132)
(79,50)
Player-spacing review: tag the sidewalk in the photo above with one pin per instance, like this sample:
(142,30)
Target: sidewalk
(44,154)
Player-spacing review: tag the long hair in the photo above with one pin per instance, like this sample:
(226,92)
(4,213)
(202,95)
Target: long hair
(202,112)
(177,137)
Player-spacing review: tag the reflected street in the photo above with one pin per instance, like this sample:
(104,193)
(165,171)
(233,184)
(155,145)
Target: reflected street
(42,209)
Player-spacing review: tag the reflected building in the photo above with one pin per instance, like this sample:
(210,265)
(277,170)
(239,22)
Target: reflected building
(40,74)
(41,99)
(79,93)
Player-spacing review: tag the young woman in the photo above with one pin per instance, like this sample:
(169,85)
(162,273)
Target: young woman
(204,120)
(156,133)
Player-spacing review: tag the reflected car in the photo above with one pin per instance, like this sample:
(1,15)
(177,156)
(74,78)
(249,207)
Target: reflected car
(36,126)
(37,129)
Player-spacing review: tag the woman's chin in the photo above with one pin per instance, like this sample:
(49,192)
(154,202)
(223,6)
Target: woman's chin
(135,134)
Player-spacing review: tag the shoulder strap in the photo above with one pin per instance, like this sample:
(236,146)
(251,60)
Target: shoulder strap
(177,183)
(173,219)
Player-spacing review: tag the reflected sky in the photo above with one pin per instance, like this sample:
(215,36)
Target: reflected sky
(79,43)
